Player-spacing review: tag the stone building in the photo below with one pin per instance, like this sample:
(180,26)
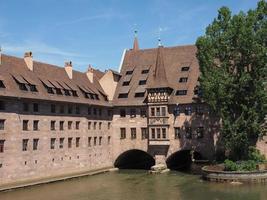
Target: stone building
(56,121)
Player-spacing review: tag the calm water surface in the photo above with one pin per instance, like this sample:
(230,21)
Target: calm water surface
(138,185)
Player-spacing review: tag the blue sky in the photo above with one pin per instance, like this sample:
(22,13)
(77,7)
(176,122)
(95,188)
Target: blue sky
(97,31)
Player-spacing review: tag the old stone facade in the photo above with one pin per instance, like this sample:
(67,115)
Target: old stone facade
(56,121)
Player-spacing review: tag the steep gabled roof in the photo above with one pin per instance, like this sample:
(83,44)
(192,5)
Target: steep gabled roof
(45,73)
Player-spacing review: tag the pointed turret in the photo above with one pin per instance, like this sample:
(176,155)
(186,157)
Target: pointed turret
(159,78)
(135,44)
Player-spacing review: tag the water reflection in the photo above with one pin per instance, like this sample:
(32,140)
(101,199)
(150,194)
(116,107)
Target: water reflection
(138,185)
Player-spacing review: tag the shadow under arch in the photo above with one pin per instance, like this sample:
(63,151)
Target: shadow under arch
(182,160)
(134,159)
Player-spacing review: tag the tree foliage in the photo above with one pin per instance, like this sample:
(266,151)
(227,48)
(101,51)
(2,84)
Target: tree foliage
(233,63)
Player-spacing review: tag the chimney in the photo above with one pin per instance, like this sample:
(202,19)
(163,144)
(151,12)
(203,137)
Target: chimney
(68,68)
(28,60)
(90,74)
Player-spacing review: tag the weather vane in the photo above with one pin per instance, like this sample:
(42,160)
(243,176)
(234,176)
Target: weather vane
(159,38)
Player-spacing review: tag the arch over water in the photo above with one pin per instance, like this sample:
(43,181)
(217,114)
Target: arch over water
(182,160)
(134,159)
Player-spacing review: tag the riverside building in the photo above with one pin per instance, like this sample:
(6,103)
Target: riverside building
(56,121)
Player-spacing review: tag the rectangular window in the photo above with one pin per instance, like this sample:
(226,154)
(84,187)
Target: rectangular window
(53,125)
(109,139)
(52,143)
(133,112)
(100,125)
(183,80)
(164,135)
(35,144)
(61,143)
(77,110)
(61,125)
(184,69)
(100,112)
(123,133)
(89,111)
(126,83)
(109,125)
(188,110)
(129,72)
(62,109)
(77,142)
(35,107)
(95,111)
(35,125)
(25,107)
(122,113)
(25,125)
(153,133)
(144,133)
(2,124)
(69,142)
(145,71)
(133,133)
(89,125)
(53,108)
(142,82)
(158,133)
(143,112)
(89,141)
(177,133)
(25,144)
(69,125)
(123,95)
(95,125)
(2,105)
(70,109)
(139,94)
(2,146)
(152,112)
(77,125)
(188,132)
(95,138)
(181,92)
(100,141)
(158,111)
(163,111)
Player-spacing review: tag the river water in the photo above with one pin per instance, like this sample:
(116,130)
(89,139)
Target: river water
(138,185)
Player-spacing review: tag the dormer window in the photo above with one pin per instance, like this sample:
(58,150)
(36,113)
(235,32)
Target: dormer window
(142,82)
(129,72)
(145,71)
(123,95)
(48,86)
(185,69)
(33,88)
(126,83)
(183,80)
(21,82)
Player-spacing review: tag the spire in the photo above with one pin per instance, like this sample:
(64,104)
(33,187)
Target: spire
(135,45)
(159,79)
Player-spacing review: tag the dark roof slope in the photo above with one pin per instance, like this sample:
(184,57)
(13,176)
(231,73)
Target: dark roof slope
(174,58)
(42,72)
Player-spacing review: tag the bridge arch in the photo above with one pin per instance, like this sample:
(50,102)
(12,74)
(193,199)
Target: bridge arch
(182,159)
(134,159)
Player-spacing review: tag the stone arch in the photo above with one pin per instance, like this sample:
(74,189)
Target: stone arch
(134,159)
(182,159)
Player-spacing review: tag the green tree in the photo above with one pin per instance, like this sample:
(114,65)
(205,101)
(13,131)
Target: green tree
(233,63)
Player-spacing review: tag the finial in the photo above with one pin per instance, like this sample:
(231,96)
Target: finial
(135,33)
(159,38)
